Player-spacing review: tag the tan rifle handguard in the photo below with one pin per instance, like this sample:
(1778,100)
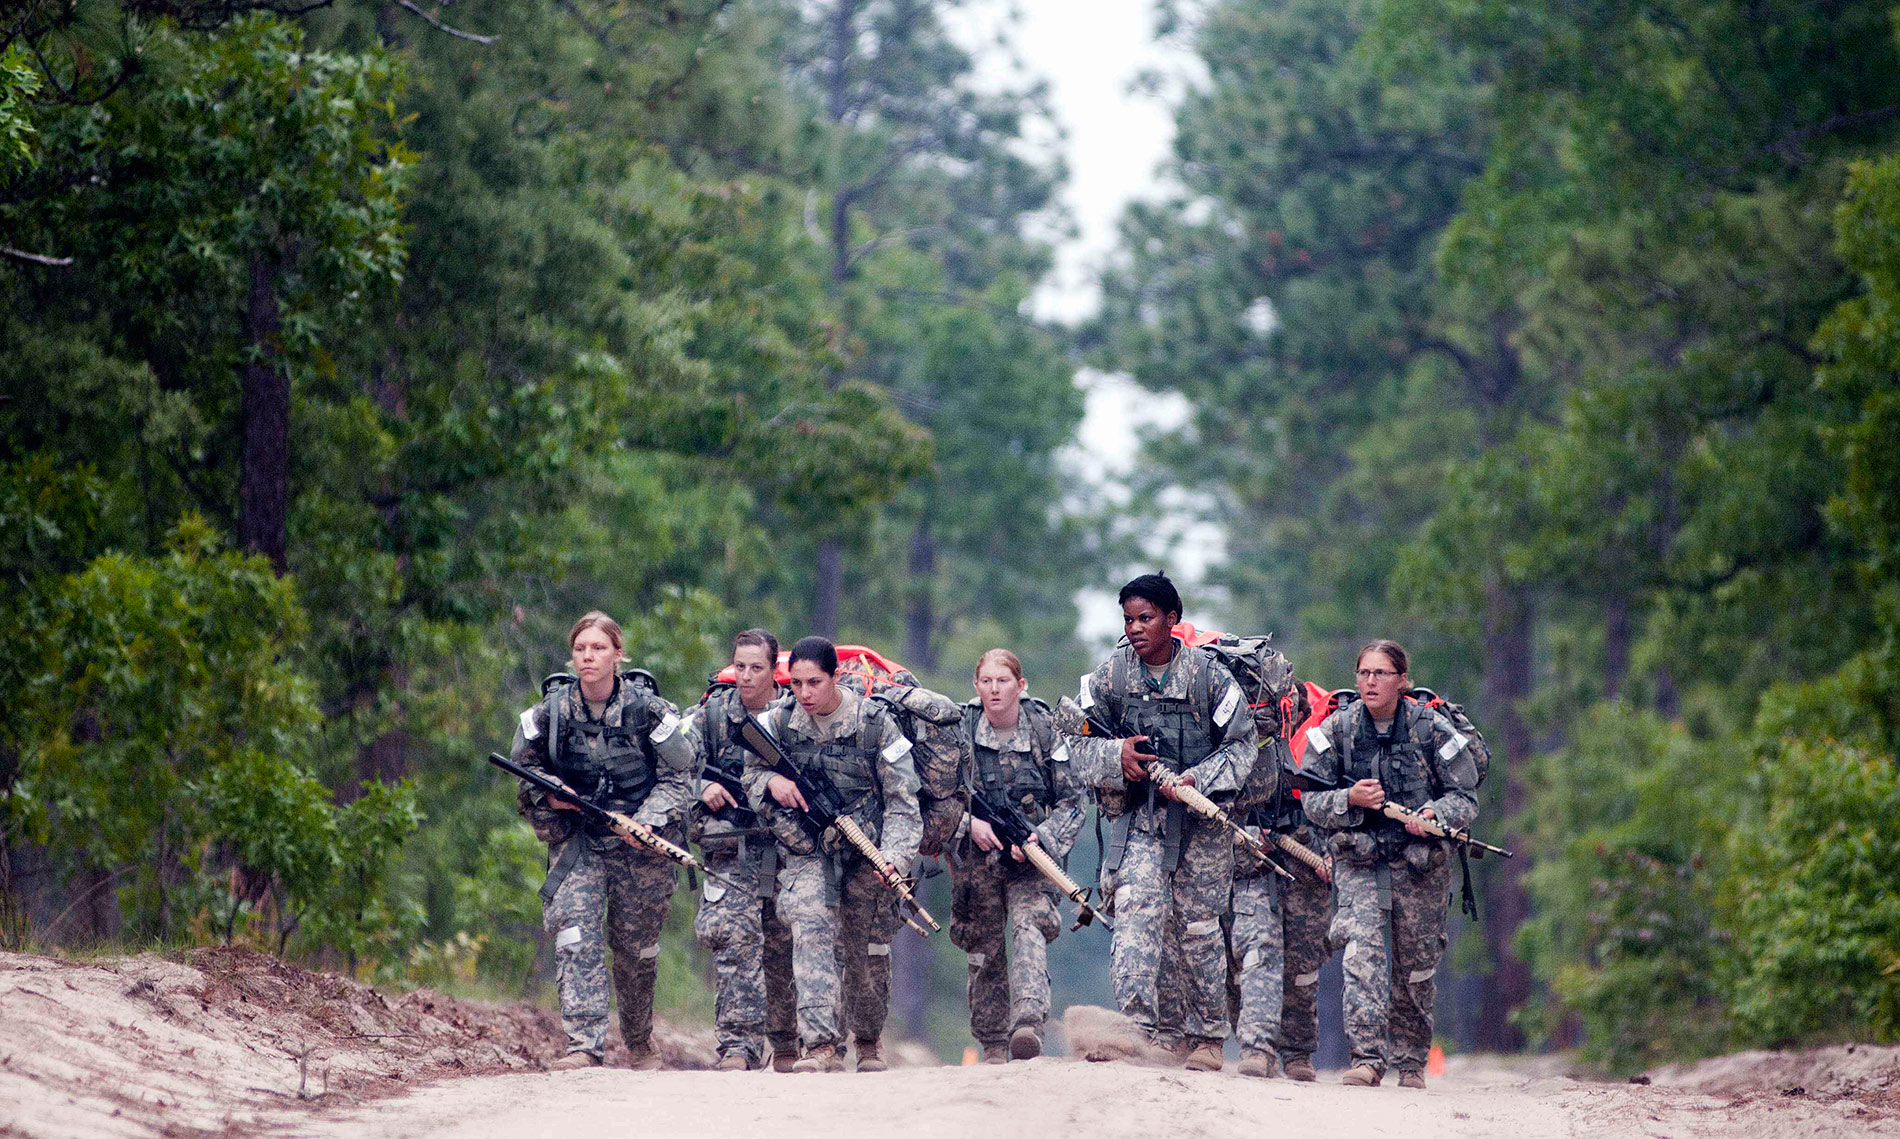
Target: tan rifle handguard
(1200,804)
(641,835)
(854,834)
(1305,854)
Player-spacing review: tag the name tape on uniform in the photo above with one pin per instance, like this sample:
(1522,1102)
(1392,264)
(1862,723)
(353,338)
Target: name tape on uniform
(664,730)
(1086,698)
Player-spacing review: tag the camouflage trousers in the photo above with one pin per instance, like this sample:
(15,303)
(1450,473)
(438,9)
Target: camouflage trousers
(1392,920)
(615,897)
(993,894)
(1254,961)
(753,1001)
(841,947)
(1306,914)
(1172,916)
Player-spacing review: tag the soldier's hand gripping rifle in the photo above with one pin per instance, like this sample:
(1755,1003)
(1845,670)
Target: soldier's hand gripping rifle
(739,815)
(825,808)
(1014,830)
(630,832)
(1437,829)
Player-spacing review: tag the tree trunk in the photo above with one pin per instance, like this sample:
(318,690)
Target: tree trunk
(1616,645)
(1507,681)
(920,619)
(825,587)
(264,472)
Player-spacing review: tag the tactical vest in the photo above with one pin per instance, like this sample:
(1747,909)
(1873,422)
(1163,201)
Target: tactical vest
(1180,733)
(611,764)
(1401,762)
(851,763)
(1017,777)
(723,710)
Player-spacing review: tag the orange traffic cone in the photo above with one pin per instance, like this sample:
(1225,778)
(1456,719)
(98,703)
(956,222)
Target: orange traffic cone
(1435,1062)
(969,1055)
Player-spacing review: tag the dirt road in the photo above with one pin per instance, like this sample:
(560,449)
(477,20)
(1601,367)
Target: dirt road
(231,1043)
(1054,1097)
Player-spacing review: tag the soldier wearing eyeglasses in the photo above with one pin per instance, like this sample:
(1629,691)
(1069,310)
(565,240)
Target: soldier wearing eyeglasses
(1393,881)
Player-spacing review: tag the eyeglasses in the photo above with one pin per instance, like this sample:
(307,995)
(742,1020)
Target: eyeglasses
(1375,673)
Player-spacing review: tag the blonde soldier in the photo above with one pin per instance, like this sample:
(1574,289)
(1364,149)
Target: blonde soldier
(1020,764)
(1393,882)
(614,741)
(835,902)
(1157,702)
(751,947)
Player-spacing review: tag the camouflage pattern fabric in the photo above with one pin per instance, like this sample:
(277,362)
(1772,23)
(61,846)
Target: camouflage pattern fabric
(615,897)
(752,961)
(1255,960)
(1146,897)
(1306,912)
(1391,984)
(1009,976)
(841,949)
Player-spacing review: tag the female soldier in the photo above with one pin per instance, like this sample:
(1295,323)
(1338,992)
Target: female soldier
(1019,765)
(1384,748)
(615,741)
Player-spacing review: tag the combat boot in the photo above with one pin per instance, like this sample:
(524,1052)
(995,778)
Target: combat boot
(823,1058)
(645,1059)
(731,1062)
(1261,1065)
(1413,1080)
(574,1061)
(871,1057)
(1205,1057)
(996,1053)
(1362,1076)
(1025,1044)
(1301,1070)
(783,1059)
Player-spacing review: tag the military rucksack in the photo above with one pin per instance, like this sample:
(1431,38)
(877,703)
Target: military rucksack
(941,753)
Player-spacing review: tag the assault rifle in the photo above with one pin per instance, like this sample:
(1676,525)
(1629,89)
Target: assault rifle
(1194,799)
(740,815)
(825,808)
(630,832)
(1433,827)
(1014,830)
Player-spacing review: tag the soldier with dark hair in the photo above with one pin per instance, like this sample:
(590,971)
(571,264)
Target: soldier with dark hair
(615,741)
(751,947)
(1393,880)
(841,914)
(1158,704)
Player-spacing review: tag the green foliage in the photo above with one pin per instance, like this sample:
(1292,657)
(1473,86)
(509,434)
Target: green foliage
(1816,897)
(1625,926)
(163,734)
(18,84)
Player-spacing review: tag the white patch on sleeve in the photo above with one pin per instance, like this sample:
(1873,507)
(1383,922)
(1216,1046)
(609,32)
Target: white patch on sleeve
(1086,698)
(896,750)
(1418,975)
(664,730)
(877,949)
(1317,740)
(1453,746)
(529,730)
(1060,755)
(569,936)
(1229,703)
(650,952)
(978,960)
(714,891)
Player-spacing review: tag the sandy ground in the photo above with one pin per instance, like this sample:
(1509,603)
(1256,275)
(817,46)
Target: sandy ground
(230,1043)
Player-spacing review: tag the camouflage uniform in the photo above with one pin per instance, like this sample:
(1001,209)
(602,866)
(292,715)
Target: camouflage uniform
(1393,888)
(1306,914)
(1162,863)
(633,758)
(751,948)
(1030,770)
(837,909)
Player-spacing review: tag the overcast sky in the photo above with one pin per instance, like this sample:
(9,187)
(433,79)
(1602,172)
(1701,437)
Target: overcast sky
(1090,53)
